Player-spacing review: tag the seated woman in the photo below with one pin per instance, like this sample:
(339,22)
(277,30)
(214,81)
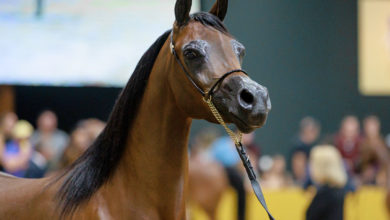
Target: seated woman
(328,173)
(15,154)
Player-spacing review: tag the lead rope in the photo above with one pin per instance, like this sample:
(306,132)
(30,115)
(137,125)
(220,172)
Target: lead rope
(237,138)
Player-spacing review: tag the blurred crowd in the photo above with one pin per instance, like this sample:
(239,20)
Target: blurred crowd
(332,164)
(31,152)
(362,147)
(355,155)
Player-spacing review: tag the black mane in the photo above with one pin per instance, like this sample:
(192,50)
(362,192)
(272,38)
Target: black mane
(97,165)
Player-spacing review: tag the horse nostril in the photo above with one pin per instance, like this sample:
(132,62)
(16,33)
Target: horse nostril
(246,96)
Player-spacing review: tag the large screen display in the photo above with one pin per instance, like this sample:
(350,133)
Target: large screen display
(78,42)
(374,47)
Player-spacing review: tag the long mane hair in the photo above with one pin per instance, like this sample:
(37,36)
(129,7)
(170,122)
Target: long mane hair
(95,167)
(99,162)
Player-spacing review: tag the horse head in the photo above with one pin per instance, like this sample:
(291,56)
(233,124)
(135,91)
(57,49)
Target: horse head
(212,58)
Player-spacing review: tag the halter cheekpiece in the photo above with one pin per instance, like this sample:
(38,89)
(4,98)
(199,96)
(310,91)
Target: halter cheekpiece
(206,94)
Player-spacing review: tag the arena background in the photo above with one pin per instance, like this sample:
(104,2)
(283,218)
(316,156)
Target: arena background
(304,51)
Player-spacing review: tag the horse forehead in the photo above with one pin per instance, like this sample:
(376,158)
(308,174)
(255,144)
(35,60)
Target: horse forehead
(197,31)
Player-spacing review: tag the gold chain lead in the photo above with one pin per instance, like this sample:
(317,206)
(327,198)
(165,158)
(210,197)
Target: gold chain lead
(235,137)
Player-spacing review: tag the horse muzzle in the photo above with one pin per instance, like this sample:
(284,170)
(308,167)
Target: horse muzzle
(243,102)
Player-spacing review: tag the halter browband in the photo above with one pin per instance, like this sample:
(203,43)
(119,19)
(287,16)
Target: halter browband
(207,97)
(206,94)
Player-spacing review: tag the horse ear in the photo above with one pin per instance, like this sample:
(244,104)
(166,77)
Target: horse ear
(219,9)
(182,11)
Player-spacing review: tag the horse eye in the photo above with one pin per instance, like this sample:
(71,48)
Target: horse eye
(191,54)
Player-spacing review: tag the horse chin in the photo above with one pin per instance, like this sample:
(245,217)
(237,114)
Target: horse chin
(246,128)
(241,125)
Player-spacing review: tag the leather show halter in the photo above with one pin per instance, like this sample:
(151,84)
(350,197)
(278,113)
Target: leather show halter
(207,97)
(220,80)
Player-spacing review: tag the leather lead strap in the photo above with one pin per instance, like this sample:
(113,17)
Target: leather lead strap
(252,177)
(240,149)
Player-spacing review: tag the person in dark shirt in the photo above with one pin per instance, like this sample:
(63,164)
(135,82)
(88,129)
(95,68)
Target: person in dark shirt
(328,204)
(348,141)
(303,142)
(328,172)
(308,135)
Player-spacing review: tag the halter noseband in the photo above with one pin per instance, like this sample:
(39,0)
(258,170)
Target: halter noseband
(206,94)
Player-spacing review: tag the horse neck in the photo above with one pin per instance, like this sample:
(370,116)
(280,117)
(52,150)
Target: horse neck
(153,170)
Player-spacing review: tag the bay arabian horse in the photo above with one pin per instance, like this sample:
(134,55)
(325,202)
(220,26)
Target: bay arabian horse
(137,167)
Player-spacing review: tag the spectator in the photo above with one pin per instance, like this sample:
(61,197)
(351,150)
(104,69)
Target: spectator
(15,155)
(82,137)
(51,140)
(37,165)
(78,144)
(224,151)
(327,171)
(276,177)
(93,127)
(253,151)
(7,123)
(371,148)
(309,132)
(248,140)
(348,140)
(299,168)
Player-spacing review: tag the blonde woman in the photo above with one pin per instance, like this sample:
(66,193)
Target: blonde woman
(15,154)
(328,172)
